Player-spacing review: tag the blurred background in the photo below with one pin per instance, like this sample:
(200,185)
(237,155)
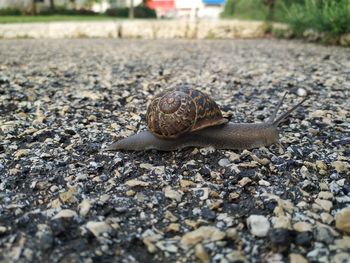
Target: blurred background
(315,20)
(117,8)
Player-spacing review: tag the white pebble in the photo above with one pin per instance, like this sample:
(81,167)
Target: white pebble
(258,225)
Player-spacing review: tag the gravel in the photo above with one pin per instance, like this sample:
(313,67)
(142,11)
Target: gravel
(64,200)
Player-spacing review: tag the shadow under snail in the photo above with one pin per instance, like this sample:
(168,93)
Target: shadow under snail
(186,117)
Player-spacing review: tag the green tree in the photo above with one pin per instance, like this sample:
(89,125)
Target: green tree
(270,4)
(33,8)
(52,5)
(131,9)
(229,8)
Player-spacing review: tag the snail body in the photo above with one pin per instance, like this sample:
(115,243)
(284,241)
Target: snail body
(213,129)
(229,136)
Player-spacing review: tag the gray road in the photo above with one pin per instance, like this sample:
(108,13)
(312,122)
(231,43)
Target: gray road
(63,200)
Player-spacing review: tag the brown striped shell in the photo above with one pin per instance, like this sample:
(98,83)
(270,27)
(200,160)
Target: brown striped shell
(175,112)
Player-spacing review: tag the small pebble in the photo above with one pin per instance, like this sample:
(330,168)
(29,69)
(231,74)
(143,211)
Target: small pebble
(201,254)
(98,228)
(340,166)
(258,225)
(323,234)
(280,239)
(342,220)
(224,162)
(203,233)
(302,227)
(297,258)
(65,213)
(84,207)
(304,239)
(173,194)
(341,257)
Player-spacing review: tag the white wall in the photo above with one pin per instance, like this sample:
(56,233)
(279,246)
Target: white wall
(193,9)
(100,7)
(14,3)
(186,4)
(105,4)
(210,12)
(124,3)
(136,2)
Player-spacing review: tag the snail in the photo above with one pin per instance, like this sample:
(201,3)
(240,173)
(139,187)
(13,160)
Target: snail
(186,117)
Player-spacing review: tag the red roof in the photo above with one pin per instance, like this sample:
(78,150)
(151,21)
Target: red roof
(161,4)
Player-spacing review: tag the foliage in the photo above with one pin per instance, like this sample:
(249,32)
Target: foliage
(140,11)
(245,9)
(118,11)
(51,18)
(47,11)
(251,9)
(65,11)
(10,12)
(329,16)
(229,8)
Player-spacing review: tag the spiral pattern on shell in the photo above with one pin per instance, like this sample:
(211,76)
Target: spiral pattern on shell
(175,112)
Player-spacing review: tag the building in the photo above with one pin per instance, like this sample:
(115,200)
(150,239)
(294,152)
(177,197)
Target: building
(123,3)
(103,5)
(187,9)
(163,8)
(202,9)
(211,9)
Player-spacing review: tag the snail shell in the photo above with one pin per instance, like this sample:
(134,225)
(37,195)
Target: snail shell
(182,110)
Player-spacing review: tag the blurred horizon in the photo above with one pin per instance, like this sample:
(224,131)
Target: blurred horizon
(326,21)
(209,9)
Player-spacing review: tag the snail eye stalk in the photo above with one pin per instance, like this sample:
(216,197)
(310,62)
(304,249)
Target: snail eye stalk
(277,121)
